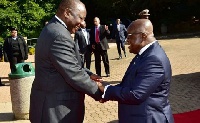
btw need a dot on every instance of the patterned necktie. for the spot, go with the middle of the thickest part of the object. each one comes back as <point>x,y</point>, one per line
<point>97,35</point>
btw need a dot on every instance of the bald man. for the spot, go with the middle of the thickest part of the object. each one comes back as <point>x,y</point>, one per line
<point>60,84</point>
<point>143,93</point>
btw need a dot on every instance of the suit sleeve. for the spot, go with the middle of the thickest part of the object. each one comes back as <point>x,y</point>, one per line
<point>148,78</point>
<point>63,57</point>
<point>125,31</point>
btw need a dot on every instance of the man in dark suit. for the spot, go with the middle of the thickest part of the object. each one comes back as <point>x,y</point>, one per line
<point>82,37</point>
<point>1,55</point>
<point>119,33</point>
<point>143,93</point>
<point>60,84</point>
<point>100,46</point>
<point>15,49</point>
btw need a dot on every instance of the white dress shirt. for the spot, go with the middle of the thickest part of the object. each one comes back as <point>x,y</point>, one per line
<point>61,21</point>
<point>85,35</point>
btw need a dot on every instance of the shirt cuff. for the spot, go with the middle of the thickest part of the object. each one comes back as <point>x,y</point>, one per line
<point>105,88</point>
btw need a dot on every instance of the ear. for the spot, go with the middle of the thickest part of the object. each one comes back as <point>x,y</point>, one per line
<point>144,36</point>
<point>67,13</point>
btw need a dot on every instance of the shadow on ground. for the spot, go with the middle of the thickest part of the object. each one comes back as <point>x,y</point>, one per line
<point>6,116</point>
<point>183,88</point>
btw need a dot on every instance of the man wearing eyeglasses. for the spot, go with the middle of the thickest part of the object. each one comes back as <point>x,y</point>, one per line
<point>60,84</point>
<point>143,93</point>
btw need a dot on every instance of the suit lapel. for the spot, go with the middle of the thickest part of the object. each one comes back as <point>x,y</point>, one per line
<point>134,63</point>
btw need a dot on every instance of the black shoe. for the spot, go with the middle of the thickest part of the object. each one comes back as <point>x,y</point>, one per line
<point>125,54</point>
<point>120,57</point>
<point>108,75</point>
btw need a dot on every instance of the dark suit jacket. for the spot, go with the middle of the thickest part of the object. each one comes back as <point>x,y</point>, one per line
<point>103,39</point>
<point>60,84</point>
<point>143,92</point>
<point>81,41</point>
<point>7,48</point>
<point>120,35</point>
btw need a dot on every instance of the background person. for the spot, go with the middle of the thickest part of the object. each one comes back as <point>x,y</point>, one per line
<point>15,49</point>
<point>143,93</point>
<point>82,38</point>
<point>60,84</point>
<point>119,33</point>
<point>144,14</point>
<point>100,46</point>
<point>1,55</point>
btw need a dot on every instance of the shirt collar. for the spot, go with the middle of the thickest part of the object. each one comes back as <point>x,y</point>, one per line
<point>98,26</point>
<point>60,21</point>
<point>83,29</point>
<point>145,47</point>
<point>14,38</point>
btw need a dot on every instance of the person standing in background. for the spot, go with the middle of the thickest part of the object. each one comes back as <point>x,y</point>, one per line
<point>144,14</point>
<point>82,38</point>
<point>1,55</point>
<point>119,33</point>
<point>100,46</point>
<point>60,84</point>
<point>15,49</point>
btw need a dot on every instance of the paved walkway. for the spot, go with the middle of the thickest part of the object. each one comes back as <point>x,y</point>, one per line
<point>184,55</point>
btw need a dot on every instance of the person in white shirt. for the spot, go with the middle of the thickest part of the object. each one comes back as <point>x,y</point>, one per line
<point>82,39</point>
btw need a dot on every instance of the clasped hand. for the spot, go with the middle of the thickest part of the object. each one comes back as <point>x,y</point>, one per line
<point>100,84</point>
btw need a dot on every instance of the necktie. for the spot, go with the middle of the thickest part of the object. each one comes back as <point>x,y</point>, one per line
<point>97,35</point>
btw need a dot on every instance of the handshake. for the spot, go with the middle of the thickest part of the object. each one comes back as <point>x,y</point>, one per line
<point>100,84</point>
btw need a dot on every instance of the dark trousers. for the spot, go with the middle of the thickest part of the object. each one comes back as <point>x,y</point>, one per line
<point>120,45</point>
<point>13,61</point>
<point>87,59</point>
<point>98,53</point>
